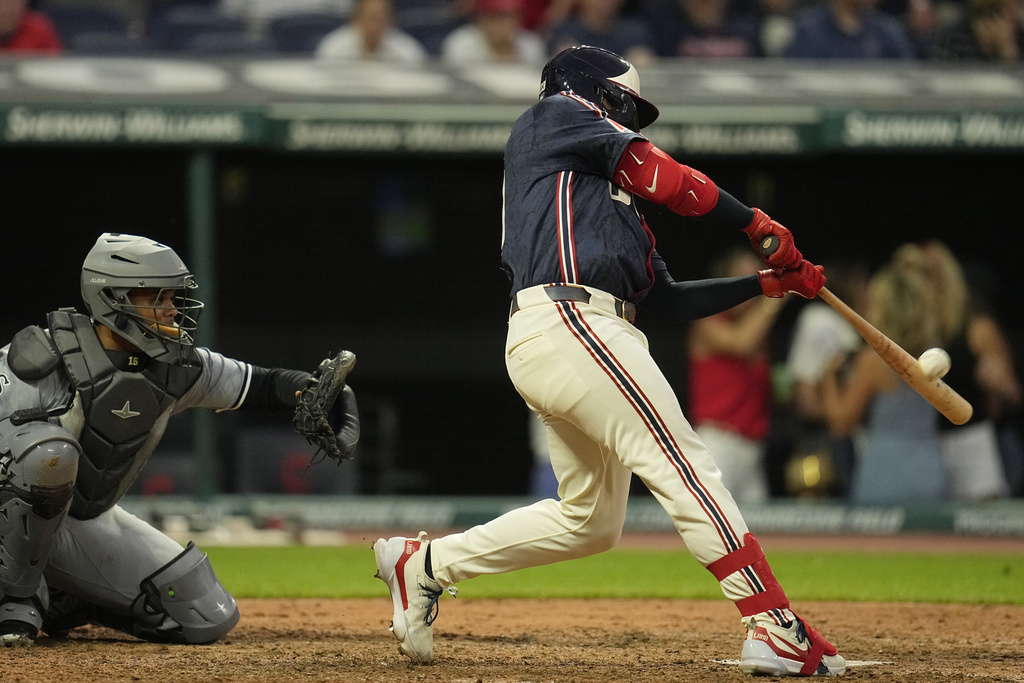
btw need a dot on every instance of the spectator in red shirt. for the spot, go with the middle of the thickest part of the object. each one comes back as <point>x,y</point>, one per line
<point>25,30</point>
<point>730,382</point>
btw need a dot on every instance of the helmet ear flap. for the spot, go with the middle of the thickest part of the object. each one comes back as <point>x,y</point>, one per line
<point>121,321</point>
<point>623,109</point>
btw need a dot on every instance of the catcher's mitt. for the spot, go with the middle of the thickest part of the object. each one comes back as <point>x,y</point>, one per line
<point>326,397</point>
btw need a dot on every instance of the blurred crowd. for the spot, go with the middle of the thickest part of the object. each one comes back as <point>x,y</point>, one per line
<point>819,413</point>
<point>521,31</point>
<point>831,419</point>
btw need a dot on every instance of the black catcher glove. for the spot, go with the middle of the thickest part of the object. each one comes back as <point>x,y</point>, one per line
<point>327,414</point>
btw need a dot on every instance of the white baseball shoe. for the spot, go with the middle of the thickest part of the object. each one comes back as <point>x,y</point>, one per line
<point>401,565</point>
<point>792,650</point>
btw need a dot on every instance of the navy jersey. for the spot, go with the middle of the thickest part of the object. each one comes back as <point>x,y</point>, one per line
<point>565,221</point>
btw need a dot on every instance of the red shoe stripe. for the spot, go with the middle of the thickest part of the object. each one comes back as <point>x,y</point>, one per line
<point>811,657</point>
<point>781,647</point>
<point>411,547</point>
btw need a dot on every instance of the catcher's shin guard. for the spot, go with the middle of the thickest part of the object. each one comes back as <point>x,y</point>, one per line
<point>750,559</point>
<point>38,465</point>
<point>182,602</point>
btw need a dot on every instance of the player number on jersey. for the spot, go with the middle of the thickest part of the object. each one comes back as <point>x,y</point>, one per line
<point>618,194</point>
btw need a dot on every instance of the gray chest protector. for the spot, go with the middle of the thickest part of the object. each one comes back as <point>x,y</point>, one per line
<point>123,412</point>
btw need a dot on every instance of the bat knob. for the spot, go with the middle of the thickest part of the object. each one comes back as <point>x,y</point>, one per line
<point>769,245</point>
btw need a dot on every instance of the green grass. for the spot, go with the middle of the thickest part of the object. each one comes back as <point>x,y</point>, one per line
<point>347,572</point>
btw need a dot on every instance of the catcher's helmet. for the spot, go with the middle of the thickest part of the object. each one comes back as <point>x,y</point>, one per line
<point>120,263</point>
<point>602,77</point>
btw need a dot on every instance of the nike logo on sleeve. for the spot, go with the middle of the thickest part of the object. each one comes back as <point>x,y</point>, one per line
<point>654,183</point>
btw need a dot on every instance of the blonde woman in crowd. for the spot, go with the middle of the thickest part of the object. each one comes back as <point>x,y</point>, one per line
<point>982,372</point>
<point>896,431</point>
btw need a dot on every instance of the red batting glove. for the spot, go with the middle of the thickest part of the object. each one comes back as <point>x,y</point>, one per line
<point>787,256</point>
<point>806,281</point>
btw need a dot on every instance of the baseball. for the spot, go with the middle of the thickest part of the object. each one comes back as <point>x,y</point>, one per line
<point>934,363</point>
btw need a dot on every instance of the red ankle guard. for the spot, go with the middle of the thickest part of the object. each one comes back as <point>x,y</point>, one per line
<point>751,555</point>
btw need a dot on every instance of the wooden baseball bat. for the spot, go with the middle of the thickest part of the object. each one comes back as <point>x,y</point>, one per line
<point>951,404</point>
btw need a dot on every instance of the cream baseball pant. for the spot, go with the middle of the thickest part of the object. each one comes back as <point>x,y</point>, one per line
<point>608,411</point>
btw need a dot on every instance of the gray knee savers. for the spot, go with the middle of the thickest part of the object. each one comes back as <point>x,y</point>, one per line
<point>183,602</point>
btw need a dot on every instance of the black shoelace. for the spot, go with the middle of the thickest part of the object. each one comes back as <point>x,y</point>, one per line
<point>432,608</point>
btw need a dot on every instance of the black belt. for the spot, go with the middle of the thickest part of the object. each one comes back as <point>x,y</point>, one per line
<point>623,309</point>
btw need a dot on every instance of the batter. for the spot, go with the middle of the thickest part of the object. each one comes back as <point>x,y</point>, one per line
<point>582,260</point>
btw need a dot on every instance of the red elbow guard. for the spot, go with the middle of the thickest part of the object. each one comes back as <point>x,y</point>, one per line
<point>647,172</point>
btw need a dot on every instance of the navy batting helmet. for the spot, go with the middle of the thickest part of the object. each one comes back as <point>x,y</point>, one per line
<point>601,77</point>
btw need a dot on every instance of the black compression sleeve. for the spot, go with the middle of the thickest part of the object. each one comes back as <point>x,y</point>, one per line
<point>729,212</point>
<point>675,302</point>
<point>273,388</point>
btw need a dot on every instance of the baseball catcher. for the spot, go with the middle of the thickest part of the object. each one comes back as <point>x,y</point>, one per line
<point>84,401</point>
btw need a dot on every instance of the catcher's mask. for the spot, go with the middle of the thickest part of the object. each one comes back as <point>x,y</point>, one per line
<point>116,269</point>
<point>601,77</point>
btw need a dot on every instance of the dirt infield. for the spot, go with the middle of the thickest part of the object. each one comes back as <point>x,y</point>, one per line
<point>487,641</point>
<point>512,641</point>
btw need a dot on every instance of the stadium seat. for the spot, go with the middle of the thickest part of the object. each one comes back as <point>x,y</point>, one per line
<point>72,20</point>
<point>428,22</point>
<point>176,29</point>
<point>431,34</point>
<point>161,7</point>
<point>301,33</point>
<point>104,43</point>
<point>231,44</point>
